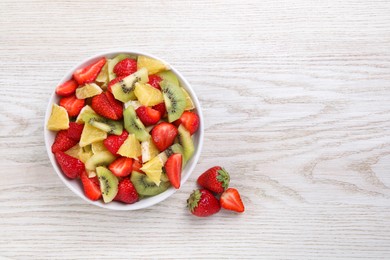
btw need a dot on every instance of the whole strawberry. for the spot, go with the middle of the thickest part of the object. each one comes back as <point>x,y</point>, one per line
<point>215,179</point>
<point>202,203</point>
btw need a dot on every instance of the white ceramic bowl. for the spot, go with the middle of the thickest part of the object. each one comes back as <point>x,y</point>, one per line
<point>76,186</point>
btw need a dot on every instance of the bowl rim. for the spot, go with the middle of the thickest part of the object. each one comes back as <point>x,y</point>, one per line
<point>151,200</point>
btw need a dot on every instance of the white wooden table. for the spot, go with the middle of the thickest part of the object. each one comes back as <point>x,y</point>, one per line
<point>296,99</point>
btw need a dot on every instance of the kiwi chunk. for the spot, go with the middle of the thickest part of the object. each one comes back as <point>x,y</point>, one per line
<point>174,98</point>
<point>123,90</point>
<point>187,143</point>
<point>98,159</point>
<point>108,183</point>
<point>145,186</point>
<point>175,148</point>
<point>104,124</point>
<point>168,75</point>
<point>134,125</point>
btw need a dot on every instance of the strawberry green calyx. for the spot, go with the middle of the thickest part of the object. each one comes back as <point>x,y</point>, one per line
<point>223,177</point>
<point>193,200</point>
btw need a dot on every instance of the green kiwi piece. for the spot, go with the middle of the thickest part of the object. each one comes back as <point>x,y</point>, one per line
<point>134,125</point>
<point>168,75</point>
<point>123,90</point>
<point>108,183</point>
<point>112,62</point>
<point>187,143</point>
<point>104,124</point>
<point>99,159</point>
<point>174,98</point>
<point>175,148</point>
<point>145,186</point>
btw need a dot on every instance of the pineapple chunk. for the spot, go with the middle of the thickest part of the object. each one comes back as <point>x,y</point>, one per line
<point>58,119</point>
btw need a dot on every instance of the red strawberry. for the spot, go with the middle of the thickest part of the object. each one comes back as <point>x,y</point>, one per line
<point>62,142</point>
<point>189,120</point>
<point>88,74</point>
<point>114,81</point>
<point>72,104</point>
<point>215,179</point>
<point>114,142</point>
<point>173,169</point>
<point>75,130</point>
<point>137,166</point>
<point>106,105</point>
<point>67,88</point>
<point>115,104</point>
<point>154,81</point>
<point>91,188</point>
<point>160,108</point>
<point>69,165</point>
<point>121,167</point>
<point>126,192</point>
<point>231,200</point>
<point>148,115</point>
<point>202,203</point>
<point>163,135</point>
<point>125,67</point>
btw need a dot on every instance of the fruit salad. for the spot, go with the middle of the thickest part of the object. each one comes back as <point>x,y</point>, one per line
<point>123,128</point>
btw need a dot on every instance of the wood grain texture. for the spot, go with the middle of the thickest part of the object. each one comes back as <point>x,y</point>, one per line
<point>296,99</point>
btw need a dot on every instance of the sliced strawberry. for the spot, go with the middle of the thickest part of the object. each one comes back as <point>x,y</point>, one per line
<point>70,166</point>
<point>160,108</point>
<point>121,167</point>
<point>114,142</point>
<point>189,120</point>
<point>106,105</point>
<point>116,105</point>
<point>88,74</point>
<point>148,115</point>
<point>126,192</point>
<point>125,67</point>
<point>114,81</point>
<point>137,166</point>
<point>163,135</point>
<point>75,130</point>
<point>231,200</point>
<point>62,142</point>
<point>72,104</point>
<point>91,188</point>
<point>173,169</point>
<point>154,81</point>
<point>67,88</point>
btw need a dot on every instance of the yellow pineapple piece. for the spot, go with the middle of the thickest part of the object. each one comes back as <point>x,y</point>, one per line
<point>74,151</point>
<point>152,65</point>
<point>131,148</point>
<point>148,95</point>
<point>103,76</point>
<point>98,147</point>
<point>189,103</point>
<point>153,169</point>
<point>88,90</point>
<point>91,134</point>
<point>149,150</point>
<point>59,119</point>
